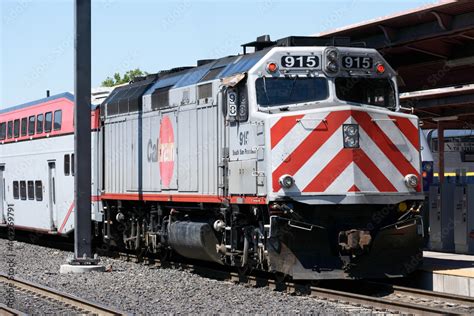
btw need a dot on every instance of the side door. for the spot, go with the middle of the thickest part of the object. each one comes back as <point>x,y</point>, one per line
<point>52,193</point>
<point>2,195</point>
<point>244,144</point>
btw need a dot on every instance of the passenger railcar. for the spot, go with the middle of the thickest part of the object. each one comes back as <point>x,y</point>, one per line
<point>37,164</point>
<point>293,159</point>
<point>458,155</point>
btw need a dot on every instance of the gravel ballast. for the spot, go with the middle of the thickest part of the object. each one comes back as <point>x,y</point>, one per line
<point>140,289</point>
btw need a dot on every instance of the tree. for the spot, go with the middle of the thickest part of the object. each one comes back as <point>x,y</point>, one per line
<point>127,77</point>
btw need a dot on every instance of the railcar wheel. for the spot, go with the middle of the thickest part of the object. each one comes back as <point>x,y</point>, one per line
<point>244,271</point>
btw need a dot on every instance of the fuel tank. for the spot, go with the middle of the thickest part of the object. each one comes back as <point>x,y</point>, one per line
<point>194,240</point>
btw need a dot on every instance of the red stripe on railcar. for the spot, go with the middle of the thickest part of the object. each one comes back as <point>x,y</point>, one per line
<point>184,198</point>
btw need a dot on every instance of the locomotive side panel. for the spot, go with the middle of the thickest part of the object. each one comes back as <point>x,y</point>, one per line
<point>207,149</point>
<point>120,138</point>
<point>188,154</point>
<point>150,166</point>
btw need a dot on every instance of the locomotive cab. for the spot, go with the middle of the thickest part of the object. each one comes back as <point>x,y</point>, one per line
<point>323,138</point>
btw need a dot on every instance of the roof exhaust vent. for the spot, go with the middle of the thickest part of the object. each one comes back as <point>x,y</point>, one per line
<point>260,43</point>
<point>201,62</point>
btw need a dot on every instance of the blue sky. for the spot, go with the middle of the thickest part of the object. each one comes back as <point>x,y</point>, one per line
<point>36,36</point>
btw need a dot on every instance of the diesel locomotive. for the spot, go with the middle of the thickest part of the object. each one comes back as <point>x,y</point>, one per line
<point>295,158</point>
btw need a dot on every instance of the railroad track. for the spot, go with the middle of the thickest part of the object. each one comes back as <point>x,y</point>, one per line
<point>33,298</point>
<point>7,311</point>
<point>377,296</point>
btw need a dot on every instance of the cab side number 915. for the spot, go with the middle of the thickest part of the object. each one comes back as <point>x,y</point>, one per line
<point>309,61</point>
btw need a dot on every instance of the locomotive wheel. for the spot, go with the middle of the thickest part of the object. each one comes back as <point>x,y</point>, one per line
<point>244,271</point>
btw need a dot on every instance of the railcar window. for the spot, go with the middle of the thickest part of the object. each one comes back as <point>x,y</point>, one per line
<point>212,74</point>
<point>370,91</point>
<point>16,128</point>
<point>280,91</point>
<point>48,121</point>
<point>31,190</point>
<point>31,125</point>
<point>72,164</point>
<point>23,190</point>
<point>160,98</point>
<point>10,129</point>
<point>24,126</point>
<point>39,190</point>
<point>16,192</point>
<point>39,124</point>
<point>205,91</point>
<point>58,116</point>
<point>67,165</point>
<point>3,130</point>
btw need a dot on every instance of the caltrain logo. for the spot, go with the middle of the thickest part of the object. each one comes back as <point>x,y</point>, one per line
<point>166,151</point>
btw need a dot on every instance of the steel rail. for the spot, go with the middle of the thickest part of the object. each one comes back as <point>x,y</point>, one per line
<point>7,311</point>
<point>64,298</point>
<point>380,303</point>
<point>345,297</point>
<point>419,293</point>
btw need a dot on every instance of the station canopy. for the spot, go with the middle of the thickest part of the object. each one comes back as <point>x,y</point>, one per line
<point>432,49</point>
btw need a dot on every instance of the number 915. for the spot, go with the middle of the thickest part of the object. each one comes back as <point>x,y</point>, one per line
<point>310,61</point>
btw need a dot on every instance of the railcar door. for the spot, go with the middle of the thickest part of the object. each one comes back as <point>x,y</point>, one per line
<point>2,196</point>
<point>52,192</point>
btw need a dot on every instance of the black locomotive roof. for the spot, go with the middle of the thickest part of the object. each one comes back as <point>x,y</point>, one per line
<point>128,98</point>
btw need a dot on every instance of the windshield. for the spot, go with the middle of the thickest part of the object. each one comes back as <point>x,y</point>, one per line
<point>280,91</point>
<point>370,91</point>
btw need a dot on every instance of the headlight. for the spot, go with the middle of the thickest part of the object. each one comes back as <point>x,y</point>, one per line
<point>332,55</point>
<point>332,66</point>
<point>286,181</point>
<point>351,135</point>
<point>411,181</point>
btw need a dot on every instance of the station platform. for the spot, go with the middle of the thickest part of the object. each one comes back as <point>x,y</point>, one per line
<point>447,272</point>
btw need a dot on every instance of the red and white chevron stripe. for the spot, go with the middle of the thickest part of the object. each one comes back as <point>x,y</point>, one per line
<point>310,148</point>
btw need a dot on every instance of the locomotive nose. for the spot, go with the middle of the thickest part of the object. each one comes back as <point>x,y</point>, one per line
<point>345,152</point>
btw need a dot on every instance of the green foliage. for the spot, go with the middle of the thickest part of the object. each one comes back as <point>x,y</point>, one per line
<point>127,77</point>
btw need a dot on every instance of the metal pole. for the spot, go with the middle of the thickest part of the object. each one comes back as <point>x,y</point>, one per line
<point>82,131</point>
<point>441,152</point>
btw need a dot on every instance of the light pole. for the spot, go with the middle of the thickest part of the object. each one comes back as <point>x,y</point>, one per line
<point>83,260</point>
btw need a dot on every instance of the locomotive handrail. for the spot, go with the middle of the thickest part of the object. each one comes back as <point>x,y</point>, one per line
<point>387,119</point>
<point>300,227</point>
<point>312,119</point>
